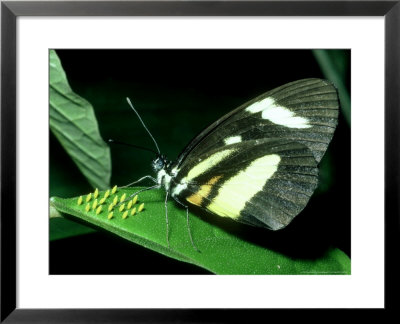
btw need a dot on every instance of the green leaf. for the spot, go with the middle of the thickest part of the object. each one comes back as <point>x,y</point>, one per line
<point>221,251</point>
<point>73,122</point>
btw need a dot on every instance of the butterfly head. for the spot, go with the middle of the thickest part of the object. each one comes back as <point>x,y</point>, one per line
<point>159,163</point>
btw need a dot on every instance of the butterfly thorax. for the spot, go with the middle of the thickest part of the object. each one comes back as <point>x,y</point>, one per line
<point>161,166</point>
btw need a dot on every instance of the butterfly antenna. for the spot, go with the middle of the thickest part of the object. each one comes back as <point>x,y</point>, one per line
<point>110,140</point>
<point>130,104</point>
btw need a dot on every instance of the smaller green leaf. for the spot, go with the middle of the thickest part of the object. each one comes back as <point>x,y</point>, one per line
<point>61,228</point>
<point>221,252</point>
<point>73,122</point>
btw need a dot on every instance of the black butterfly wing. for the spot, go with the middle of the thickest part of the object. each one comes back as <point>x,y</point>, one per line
<point>264,182</point>
<point>309,107</point>
<point>290,126</point>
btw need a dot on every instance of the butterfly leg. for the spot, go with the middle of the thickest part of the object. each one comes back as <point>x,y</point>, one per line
<point>157,186</point>
<point>166,216</point>
<point>187,222</point>
<point>141,179</point>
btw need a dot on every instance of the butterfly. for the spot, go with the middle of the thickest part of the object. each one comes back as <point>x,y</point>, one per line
<point>258,164</point>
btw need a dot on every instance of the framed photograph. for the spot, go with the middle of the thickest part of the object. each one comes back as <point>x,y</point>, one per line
<point>209,78</point>
<point>154,152</point>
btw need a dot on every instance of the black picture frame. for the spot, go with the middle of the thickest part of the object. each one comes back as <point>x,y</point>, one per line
<point>11,10</point>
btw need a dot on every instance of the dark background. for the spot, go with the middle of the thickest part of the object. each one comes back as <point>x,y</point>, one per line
<point>178,93</point>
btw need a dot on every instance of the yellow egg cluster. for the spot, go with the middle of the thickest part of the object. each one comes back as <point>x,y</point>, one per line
<point>123,205</point>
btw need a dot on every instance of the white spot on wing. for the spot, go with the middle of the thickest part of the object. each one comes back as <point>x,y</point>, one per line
<point>277,114</point>
<point>260,105</point>
<point>233,139</point>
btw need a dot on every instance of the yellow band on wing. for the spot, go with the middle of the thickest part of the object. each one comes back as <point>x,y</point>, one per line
<point>239,189</point>
<point>207,164</point>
